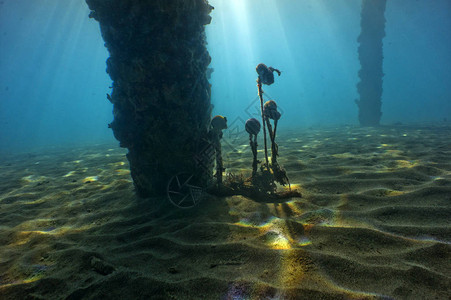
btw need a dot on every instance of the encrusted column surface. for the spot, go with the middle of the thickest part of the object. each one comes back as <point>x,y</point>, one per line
<point>161,96</point>
<point>371,60</point>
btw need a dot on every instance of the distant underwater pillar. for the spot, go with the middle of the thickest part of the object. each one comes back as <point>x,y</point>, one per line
<point>161,95</point>
<point>371,60</point>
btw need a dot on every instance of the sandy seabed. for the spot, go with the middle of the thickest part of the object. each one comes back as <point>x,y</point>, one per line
<point>374,222</point>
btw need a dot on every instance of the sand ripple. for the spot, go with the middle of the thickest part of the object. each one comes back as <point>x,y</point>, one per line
<point>373,223</point>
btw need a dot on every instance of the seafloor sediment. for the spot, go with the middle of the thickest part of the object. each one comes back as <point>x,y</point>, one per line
<point>373,222</point>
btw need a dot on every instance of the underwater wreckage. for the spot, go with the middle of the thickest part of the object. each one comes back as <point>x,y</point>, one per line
<point>261,186</point>
<point>161,96</point>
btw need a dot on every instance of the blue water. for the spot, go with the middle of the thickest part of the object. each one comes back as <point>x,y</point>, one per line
<point>53,81</point>
<point>314,43</point>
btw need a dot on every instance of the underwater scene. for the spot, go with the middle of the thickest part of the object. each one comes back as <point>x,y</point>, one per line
<point>225,149</point>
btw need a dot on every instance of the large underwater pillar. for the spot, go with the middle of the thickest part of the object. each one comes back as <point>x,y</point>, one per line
<point>371,60</point>
<point>161,95</point>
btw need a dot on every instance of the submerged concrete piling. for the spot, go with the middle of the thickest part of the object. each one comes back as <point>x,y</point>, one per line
<point>371,60</point>
<point>161,96</point>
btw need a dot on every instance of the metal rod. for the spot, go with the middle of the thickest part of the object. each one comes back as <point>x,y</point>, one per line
<point>260,94</point>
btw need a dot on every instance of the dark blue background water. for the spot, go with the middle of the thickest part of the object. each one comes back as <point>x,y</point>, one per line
<point>53,81</point>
